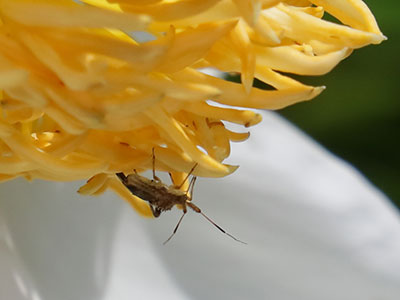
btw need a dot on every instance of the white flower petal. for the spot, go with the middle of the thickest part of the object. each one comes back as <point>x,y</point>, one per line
<point>63,239</point>
<point>137,271</point>
<point>14,281</point>
<point>316,229</point>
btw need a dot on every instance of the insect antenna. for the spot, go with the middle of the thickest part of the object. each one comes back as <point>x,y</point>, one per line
<point>176,228</point>
<point>198,210</point>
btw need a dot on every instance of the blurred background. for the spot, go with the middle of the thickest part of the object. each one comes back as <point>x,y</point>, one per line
<point>358,116</point>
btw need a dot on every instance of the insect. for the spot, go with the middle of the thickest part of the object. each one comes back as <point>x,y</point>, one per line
<point>162,197</point>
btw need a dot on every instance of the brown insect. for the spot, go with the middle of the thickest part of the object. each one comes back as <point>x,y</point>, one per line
<point>162,197</point>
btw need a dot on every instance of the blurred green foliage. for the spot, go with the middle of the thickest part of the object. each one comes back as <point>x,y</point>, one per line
<point>358,116</point>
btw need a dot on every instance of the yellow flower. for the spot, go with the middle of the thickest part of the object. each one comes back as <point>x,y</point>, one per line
<point>81,98</point>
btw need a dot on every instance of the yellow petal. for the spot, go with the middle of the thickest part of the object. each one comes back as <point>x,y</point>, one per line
<point>69,14</point>
<point>22,146</point>
<point>243,117</point>
<point>304,27</point>
<point>233,94</point>
<point>292,59</point>
<point>85,95</point>
<point>191,45</point>
<point>93,184</point>
<point>12,78</point>
<point>180,162</point>
<point>244,47</point>
<point>172,128</point>
<point>249,9</point>
<point>167,10</point>
<point>351,12</point>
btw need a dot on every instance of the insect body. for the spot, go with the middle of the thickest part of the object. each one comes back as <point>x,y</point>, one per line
<point>162,197</point>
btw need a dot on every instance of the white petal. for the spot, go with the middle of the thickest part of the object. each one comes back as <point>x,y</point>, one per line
<point>63,240</point>
<point>14,281</point>
<point>56,244</point>
<point>316,229</point>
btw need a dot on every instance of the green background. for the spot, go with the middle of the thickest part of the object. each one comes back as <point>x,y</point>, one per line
<point>358,116</point>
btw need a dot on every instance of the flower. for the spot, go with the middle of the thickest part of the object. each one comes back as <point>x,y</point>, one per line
<point>316,229</point>
<point>82,98</point>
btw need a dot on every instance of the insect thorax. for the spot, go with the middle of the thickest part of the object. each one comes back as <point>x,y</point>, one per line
<point>155,192</point>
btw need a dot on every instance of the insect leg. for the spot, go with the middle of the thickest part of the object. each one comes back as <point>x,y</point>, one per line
<point>121,176</point>
<point>187,176</point>
<point>191,187</point>
<point>154,166</point>
<point>156,211</point>
<point>198,210</point>
<point>177,226</point>
<point>172,178</point>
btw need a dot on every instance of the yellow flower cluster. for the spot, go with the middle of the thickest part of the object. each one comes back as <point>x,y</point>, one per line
<point>84,96</point>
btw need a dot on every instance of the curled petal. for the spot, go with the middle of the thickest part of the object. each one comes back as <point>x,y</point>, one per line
<point>22,146</point>
<point>309,27</point>
<point>247,55</point>
<point>93,184</point>
<point>354,13</point>
<point>245,117</point>
<point>180,162</point>
<point>175,131</point>
<point>292,59</point>
<point>233,93</point>
<point>191,45</point>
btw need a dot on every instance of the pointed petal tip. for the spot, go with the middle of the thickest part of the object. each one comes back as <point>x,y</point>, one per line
<point>232,168</point>
<point>257,118</point>
<point>378,38</point>
<point>314,92</point>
